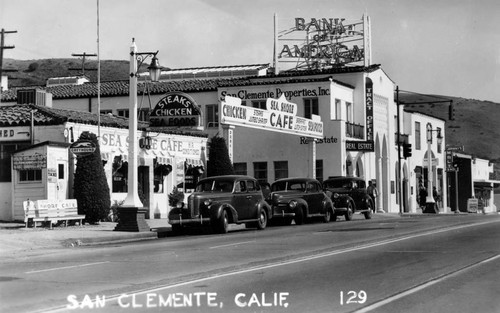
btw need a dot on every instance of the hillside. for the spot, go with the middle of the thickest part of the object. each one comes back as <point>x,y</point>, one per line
<point>36,72</point>
<point>474,126</point>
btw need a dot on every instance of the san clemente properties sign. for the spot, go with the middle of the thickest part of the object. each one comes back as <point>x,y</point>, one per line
<point>280,116</point>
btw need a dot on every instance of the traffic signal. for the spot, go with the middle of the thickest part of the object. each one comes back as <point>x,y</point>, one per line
<point>406,150</point>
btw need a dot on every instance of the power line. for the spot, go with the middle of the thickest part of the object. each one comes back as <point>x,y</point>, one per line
<point>83,56</point>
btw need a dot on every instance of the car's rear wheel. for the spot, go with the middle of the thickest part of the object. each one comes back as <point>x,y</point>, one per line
<point>262,222</point>
<point>349,213</point>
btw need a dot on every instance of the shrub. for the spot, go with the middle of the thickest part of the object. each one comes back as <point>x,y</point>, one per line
<point>91,188</point>
<point>175,197</point>
<point>218,160</point>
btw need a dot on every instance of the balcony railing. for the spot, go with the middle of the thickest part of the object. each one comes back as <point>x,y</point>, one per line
<point>355,130</point>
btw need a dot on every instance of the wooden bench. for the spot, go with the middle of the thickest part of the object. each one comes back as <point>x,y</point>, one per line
<point>51,211</point>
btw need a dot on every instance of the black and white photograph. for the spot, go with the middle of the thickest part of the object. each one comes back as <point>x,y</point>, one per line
<point>274,156</point>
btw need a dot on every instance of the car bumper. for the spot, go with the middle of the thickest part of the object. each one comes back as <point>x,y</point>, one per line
<point>178,220</point>
<point>283,212</point>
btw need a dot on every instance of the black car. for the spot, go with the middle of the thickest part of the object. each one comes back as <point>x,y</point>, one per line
<point>299,199</point>
<point>349,196</point>
<point>221,200</point>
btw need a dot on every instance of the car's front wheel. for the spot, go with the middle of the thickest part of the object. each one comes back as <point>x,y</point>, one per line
<point>368,213</point>
<point>222,224</point>
<point>299,216</point>
<point>349,213</point>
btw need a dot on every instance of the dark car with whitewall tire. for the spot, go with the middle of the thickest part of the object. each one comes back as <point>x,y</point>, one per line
<point>298,199</point>
<point>349,196</point>
<point>222,200</point>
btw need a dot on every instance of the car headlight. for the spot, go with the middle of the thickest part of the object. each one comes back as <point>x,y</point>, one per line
<point>336,195</point>
<point>292,204</point>
<point>207,202</point>
<point>180,205</point>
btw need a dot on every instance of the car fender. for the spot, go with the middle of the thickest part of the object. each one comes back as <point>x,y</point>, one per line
<point>366,200</point>
<point>343,200</point>
<point>301,203</point>
<point>217,208</point>
<point>263,205</point>
<point>327,204</point>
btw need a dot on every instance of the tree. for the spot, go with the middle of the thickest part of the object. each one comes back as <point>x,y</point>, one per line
<point>91,188</point>
<point>218,158</point>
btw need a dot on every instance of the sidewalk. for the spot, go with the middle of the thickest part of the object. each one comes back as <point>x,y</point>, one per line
<point>16,239</point>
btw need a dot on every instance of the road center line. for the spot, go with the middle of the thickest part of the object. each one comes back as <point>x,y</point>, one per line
<point>423,286</point>
<point>65,267</point>
<point>302,259</point>
<point>232,244</point>
<point>281,263</point>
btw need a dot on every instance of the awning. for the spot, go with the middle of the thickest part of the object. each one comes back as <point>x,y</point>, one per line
<point>195,162</point>
<point>164,160</point>
<point>487,183</point>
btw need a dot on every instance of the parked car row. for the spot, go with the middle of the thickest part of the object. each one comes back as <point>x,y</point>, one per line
<point>235,199</point>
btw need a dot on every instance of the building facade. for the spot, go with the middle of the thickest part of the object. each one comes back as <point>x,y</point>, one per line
<point>355,104</point>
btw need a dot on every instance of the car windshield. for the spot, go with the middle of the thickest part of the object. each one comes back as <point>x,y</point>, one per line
<point>288,186</point>
<point>338,183</point>
<point>215,186</point>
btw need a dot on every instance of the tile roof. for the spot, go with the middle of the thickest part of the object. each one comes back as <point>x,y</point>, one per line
<point>20,115</point>
<point>121,88</point>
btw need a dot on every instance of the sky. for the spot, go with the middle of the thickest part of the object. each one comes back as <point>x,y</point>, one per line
<point>443,47</point>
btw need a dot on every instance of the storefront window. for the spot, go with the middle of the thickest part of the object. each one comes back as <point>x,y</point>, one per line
<point>30,175</point>
<point>280,169</point>
<point>6,151</point>
<point>240,168</point>
<point>260,171</point>
<point>212,115</point>
<point>160,172</point>
<point>120,172</point>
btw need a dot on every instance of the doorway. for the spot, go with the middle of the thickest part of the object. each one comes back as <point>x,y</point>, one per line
<point>144,187</point>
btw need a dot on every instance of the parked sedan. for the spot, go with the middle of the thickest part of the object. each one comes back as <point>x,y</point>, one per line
<point>349,196</point>
<point>221,200</point>
<point>299,199</point>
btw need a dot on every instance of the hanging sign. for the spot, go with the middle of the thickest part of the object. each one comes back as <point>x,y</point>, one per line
<point>280,116</point>
<point>366,146</point>
<point>82,148</point>
<point>369,109</point>
<point>176,109</point>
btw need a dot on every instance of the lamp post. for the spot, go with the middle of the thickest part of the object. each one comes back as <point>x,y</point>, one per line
<point>131,213</point>
<point>430,204</point>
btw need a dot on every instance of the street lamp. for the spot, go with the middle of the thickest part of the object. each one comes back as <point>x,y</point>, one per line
<point>131,213</point>
<point>430,204</point>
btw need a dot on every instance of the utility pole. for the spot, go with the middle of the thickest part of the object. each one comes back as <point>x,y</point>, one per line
<point>2,47</point>
<point>83,56</point>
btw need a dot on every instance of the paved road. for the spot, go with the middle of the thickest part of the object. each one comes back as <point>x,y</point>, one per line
<point>422,264</point>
